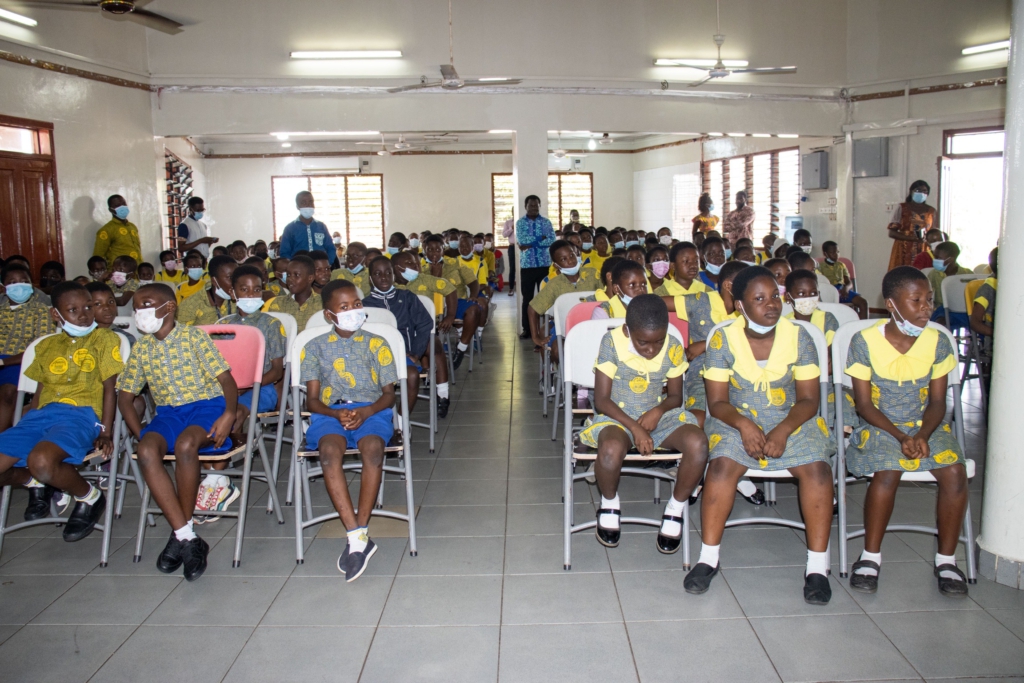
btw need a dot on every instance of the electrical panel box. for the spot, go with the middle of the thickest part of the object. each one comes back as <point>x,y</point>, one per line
<point>814,170</point>
<point>871,157</point>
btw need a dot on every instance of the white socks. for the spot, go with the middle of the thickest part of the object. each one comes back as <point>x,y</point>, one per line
<point>746,487</point>
<point>709,554</point>
<point>91,497</point>
<point>463,347</point>
<point>610,521</point>
<point>873,557</point>
<point>817,563</point>
<point>669,527</point>
<point>442,390</point>
<point>357,540</point>
<point>185,533</point>
<point>34,483</point>
<point>946,559</point>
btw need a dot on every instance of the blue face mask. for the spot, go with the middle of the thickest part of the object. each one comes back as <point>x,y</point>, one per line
<point>713,269</point>
<point>587,246</point>
<point>76,330</point>
<point>356,269</point>
<point>121,212</point>
<point>250,304</point>
<point>198,215</point>
<point>728,254</point>
<point>903,325</point>
<point>631,243</point>
<point>618,245</point>
<point>392,250</point>
<point>307,212</point>
<point>754,327</point>
<point>453,244</point>
<point>625,299</point>
<point>19,292</point>
<point>571,271</point>
<point>283,278</point>
<point>919,197</point>
<point>195,273</point>
<point>409,275</point>
<point>711,209</point>
<point>939,264</point>
<point>467,257</point>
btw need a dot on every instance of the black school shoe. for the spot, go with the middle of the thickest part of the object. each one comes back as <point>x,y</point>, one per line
<point>698,579</point>
<point>355,563</point>
<point>670,544</point>
<point>39,498</point>
<point>83,519</point>
<point>457,357</point>
<point>952,588</point>
<point>169,558</point>
<point>609,538</point>
<point>193,555</point>
<point>817,589</point>
<point>865,583</point>
<point>756,498</point>
<point>442,407</point>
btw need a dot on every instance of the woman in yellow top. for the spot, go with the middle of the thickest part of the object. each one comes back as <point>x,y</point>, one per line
<point>704,221</point>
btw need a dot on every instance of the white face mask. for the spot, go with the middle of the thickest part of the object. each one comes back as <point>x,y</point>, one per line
<point>665,239</point>
<point>805,305</point>
<point>903,325</point>
<point>349,321</point>
<point>147,321</point>
<point>933,245</point>
<point>251,304</point>
<point>488,245</point>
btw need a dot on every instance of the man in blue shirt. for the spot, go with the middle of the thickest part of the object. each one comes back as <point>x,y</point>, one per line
<point>534,234</point>
<point>305,233</point>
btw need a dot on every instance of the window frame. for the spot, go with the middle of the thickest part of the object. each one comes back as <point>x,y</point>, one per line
<point>348,221</point>
<point>727,186</point>
<point>948,135</point>
<point>515,212</point>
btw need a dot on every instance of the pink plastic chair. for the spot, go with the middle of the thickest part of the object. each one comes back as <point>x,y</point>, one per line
<point>580,312</point>
<point>681,325</point>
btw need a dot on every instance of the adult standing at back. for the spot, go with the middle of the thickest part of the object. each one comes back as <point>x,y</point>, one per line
<point>306,233</point>
<point>910,225</point>
<point>118,237</point>
<point>705,221</point>
<point>534,234</point>
<point>509,232</point>
<point>739,223</point>
<point>193,233</point>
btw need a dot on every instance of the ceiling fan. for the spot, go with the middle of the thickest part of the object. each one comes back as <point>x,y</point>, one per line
<point>402,145</point>
<point>129,9</point>
<point>719,68</point>
<point>450,79</point>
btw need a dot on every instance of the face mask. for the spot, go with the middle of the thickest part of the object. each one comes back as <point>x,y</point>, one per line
<point>170,265</point>
<point>805,305</point>
<point>76,330</point>
<point>121,212</point>
<point>250,304</point>
<point>631,243</point>
<point>933,245</point>
<point>392,250</point>
<point>356,269</point>
<point>618,245</point>
<point>337,241</point>
<point>939,264</point>
<point>19,292</point>
<point>478,248</point>
<point>571,271</point>
<point>713,269</point>
<point>467,257</point>
<point>118,278</point>
<point>198,215</point>
<point>749,263</point>
<point>660,268</point>
<point>385,291</point>
<point>414,243</point>
<point>807,248</point>
<point>782,290</point>
<point>97,274</point>
<point>146,282</point>
<point>728,254</point>
<point>147,321</point>
<point>283,278</point>
<point>220,292</point>
<point>271,253</point>
<point>453,244</point>
<point>903,325</point>
<point>829,261</point>
<point>409,275</point>
<point>350,321</point>
<point>919,197</point>
<point>488,245</point>
<point>665,239</point>
<point>624,299</point>
<point>754,327</point>
<point>711,208</point>
<point>195,273</point>
<point>307,212</point>
<point>587,246</point>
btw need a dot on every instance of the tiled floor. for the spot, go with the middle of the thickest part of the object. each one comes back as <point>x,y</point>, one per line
<point>487,599</point>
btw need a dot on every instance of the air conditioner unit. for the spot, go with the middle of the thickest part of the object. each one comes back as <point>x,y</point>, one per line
<point>331,165</point>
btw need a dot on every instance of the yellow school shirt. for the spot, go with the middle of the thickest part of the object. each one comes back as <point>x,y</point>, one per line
<point>21,324</point>
<point>72,370</point>
<point>360,279</point>
<point>181,369</point>
<point>197,310</point>
<point>117,238</point>
<point>286,304</point>
<point>187,289</point>
<point>173,280</point>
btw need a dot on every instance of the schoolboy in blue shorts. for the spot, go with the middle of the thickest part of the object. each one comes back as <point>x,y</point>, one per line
<point>350,377</point>
<point>72,413</point>
<point>195,400</point>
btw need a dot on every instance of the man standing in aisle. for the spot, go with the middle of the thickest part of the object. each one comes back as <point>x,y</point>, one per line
<point>118,237</point>
<point>509,232</point>
<point>193,233</point>
<point>307,234</point>
<point>534,234</point>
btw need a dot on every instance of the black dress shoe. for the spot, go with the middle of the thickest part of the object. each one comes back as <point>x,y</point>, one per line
<point>83,519</point>
<point>608,537</point>
<point>951,588</point>
<point>442,407</point>
<point>698,579</point>
<point>39,498</point>
<point>696,493</point>
<point>170,557</point>
<point>525,335</point>
<point>669,544</point>
<point>755,498</point>
<point>817,589</point>
<point>457,358</point>
<point>865,583</point>
<point>193,556</point>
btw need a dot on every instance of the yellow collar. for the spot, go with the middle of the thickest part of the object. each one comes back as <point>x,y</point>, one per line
<point>600,295</point>
<point>899,367</point>
<point>782,356</point>
<point>618,310</point>
<point>991,282</point>
<point>676,289</point>
<point>623,349</point>
<point>817,318</point>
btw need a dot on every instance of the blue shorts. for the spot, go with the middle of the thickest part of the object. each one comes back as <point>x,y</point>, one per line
<point>848,299</point>
<point>171,421</point>
<point>9,373</point>
<point>73,429</point>
<point>462,307</point>
<point>378,424</point>
<point>956,320</point>
<point>268,399</point>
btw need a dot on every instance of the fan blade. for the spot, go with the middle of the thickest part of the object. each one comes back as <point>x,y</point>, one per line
<point>766,70</point>
<point>154,21</point>
<point>448,72</point>
<point>484,81</point>
<point>698,83</point>
<point>418,86</point>
<point>61,4</point>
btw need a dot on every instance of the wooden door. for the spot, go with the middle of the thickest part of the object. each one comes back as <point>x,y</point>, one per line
<point>28,209</point>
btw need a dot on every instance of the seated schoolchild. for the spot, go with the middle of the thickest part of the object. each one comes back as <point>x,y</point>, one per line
<point>260,264</point>
<point>350,378</point>
<point>238,252</point>
<point>933,238</point>
<point>279,277</point>
<point>839,277</point>
<point>396,243</point>
<point>608,290</point>
<point>51,274</point>
<point>98,269</point>
<point>780,270</point>
<point>685,259</point>
<point>412,318</point>
<point>899,370</point>
<point>355,267</point>
<point>321,269</point>
<point>569,280</point>
<point>195,279</point>
<point>22,320</point>
<point>744,253</point>
<point>802,239</point>
<point>470,257</point>
<point>712,253</point>
<point>636,362</point>
<point>145,274</point>
<point>302,303</point>
<point>729,272</point>
<point>172,272</point>
<point>195,398</point>
<point>944,264</point>
<point>761,375</point>
<point>629,280</point>
<point>212,303</point>
<point>658,265</point>
<point>72,414</point>
<point>467,289</point>
<point>983,313</point>
<point>104,309</point>
<point>123,281</point>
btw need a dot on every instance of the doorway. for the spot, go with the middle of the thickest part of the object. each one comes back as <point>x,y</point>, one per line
<point>971,191</point>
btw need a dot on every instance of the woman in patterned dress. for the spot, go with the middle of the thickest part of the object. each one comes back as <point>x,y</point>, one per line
<point>899,371</point>
<point>705,221</point>
<point>909,225</point>
<point>761,375</point>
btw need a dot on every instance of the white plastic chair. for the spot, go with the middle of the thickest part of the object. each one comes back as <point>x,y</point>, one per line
<point>953,300</point>
<point>840,350</point>
<point>826,290</point>
<point>560,312</point>
<point>843,313</point>
<point>301,455</point>
<point>982,269</point>
<point>127,323</point>
<point>581,348</point>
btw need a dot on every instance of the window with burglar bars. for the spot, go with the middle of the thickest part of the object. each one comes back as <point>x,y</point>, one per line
<point>772,182</point>
<point>352,205</point>
<point>566,192</point>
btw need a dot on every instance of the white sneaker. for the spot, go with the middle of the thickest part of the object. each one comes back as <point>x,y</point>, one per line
<point>590,479</point>
<point>223,495</point>
<point>204,497</point>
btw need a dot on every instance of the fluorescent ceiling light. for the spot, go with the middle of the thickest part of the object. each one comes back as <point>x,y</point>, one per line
<point>760,135</point>
<point>493,79</point>
<point>286,144</point>
<point>699,63</point>
<point>592,144</point>
<point>987,47</point>
<point>500,131</point>
<point>17,18</point>
<point>347,54</point>
<point>788,135</point>
<point>737,135</point>
<point>319,133</point>
<point>715,135</point>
